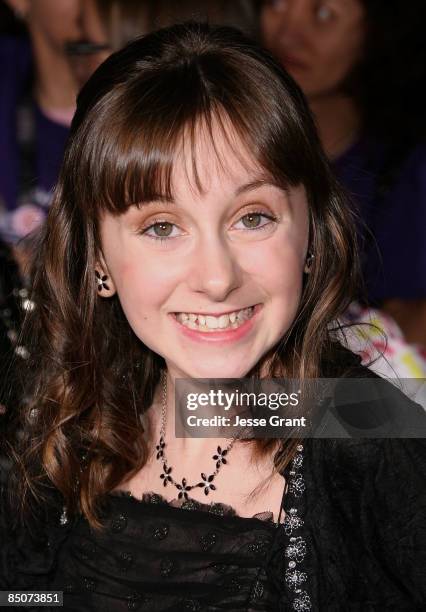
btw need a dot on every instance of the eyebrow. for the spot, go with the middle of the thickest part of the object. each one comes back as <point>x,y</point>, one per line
<point>246,188</point>
<point>253,185</point>
<point>158,199</point>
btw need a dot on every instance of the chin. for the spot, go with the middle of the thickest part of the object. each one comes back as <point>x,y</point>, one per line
<point>219,371</point>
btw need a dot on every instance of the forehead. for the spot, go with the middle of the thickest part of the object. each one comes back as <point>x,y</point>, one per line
<point>215,158</point>
<point>162,161</point>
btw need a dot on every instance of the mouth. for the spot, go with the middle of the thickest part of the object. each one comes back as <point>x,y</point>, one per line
<point>290,61</point>
<point>208,323</point>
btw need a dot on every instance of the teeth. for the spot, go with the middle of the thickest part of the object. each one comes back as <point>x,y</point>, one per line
<point>246,314</point>
<point>210,323</point>
<point>243,315</point>
<point>223,321</point>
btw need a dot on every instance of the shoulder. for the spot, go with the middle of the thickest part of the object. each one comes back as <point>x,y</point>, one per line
<point>368,405</point>
<point>365,456</point>
<point>341,362</point>
<point>379,481</point>
<point>373,420</point>
<point>366,507</point>
<point>371,474</point>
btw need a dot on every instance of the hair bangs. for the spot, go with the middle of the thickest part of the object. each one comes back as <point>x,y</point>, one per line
<point>89,381</point>
<point>159,120</point>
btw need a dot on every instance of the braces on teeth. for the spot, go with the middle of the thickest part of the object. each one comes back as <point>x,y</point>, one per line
<point>210,323</point>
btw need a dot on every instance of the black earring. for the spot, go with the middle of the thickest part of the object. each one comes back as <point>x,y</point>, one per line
<point>101,281</point>
<point>309,260</point>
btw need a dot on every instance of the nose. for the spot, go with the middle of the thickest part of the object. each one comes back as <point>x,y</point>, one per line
<point>215,271</point>
<point>294,22</point>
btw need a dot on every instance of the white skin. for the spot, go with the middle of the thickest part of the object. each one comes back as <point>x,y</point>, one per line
<point>319,42</point>
<point>211,263</point>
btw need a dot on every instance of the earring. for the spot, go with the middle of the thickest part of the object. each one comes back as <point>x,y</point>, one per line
<point>309,261</point>
<point>101,281</point>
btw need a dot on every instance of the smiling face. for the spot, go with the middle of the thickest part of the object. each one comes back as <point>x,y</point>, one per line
<point>179,266</point>
<point>318,41</point>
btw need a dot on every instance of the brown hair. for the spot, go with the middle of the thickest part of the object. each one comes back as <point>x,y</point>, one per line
<point>92,379</point>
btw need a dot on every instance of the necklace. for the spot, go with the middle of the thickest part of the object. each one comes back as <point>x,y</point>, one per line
<point>166,476</point>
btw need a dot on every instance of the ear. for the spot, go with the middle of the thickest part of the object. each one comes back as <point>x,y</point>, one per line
<point>308,263</point>
<point>104,284</point>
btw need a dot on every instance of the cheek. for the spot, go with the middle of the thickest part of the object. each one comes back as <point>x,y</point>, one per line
<point>278,266</point>
<point>283,282</point>
<point>68,9</point>
<point>337,57</point>
<point>92,25</point>
<point>139,305</point>
<point>269,26</point>
<point>138,287</point>
<point>143,286</point>
<point>286,281</point>
<point>61,20</point>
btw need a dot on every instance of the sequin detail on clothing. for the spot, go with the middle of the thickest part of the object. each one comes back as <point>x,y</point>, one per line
<point>63,519</point>
<point>296,550</point>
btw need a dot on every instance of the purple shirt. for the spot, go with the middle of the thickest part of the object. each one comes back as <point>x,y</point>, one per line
<point>394,261</point>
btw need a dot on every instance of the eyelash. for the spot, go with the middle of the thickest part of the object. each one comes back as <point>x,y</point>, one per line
<point>268,216</point>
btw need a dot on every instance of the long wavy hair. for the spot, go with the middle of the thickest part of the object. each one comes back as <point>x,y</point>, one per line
<point>89,378</point>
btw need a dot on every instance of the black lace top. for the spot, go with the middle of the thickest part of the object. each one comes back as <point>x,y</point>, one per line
<point>193,557</point>
<point>353,538</point>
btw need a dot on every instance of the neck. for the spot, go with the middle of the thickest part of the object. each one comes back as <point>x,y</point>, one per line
<point>196,449</point>
<point>55,87</point>
<point>338,121</point>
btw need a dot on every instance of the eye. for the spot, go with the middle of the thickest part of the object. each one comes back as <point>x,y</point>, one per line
<point>324,13</point>
<point>253,220</point>
<point>277,5</point>
<point>160,230</point>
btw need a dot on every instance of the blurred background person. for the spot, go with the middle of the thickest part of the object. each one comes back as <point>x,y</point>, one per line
<point>107,25</point>
<point>361,64</point>
<point>37,103</point>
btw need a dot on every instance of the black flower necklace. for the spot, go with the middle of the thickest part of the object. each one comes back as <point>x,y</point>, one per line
<point>183,487</point>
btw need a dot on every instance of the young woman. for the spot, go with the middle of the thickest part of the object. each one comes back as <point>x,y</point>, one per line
<point>197,232</point>
<point>361,65</point>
